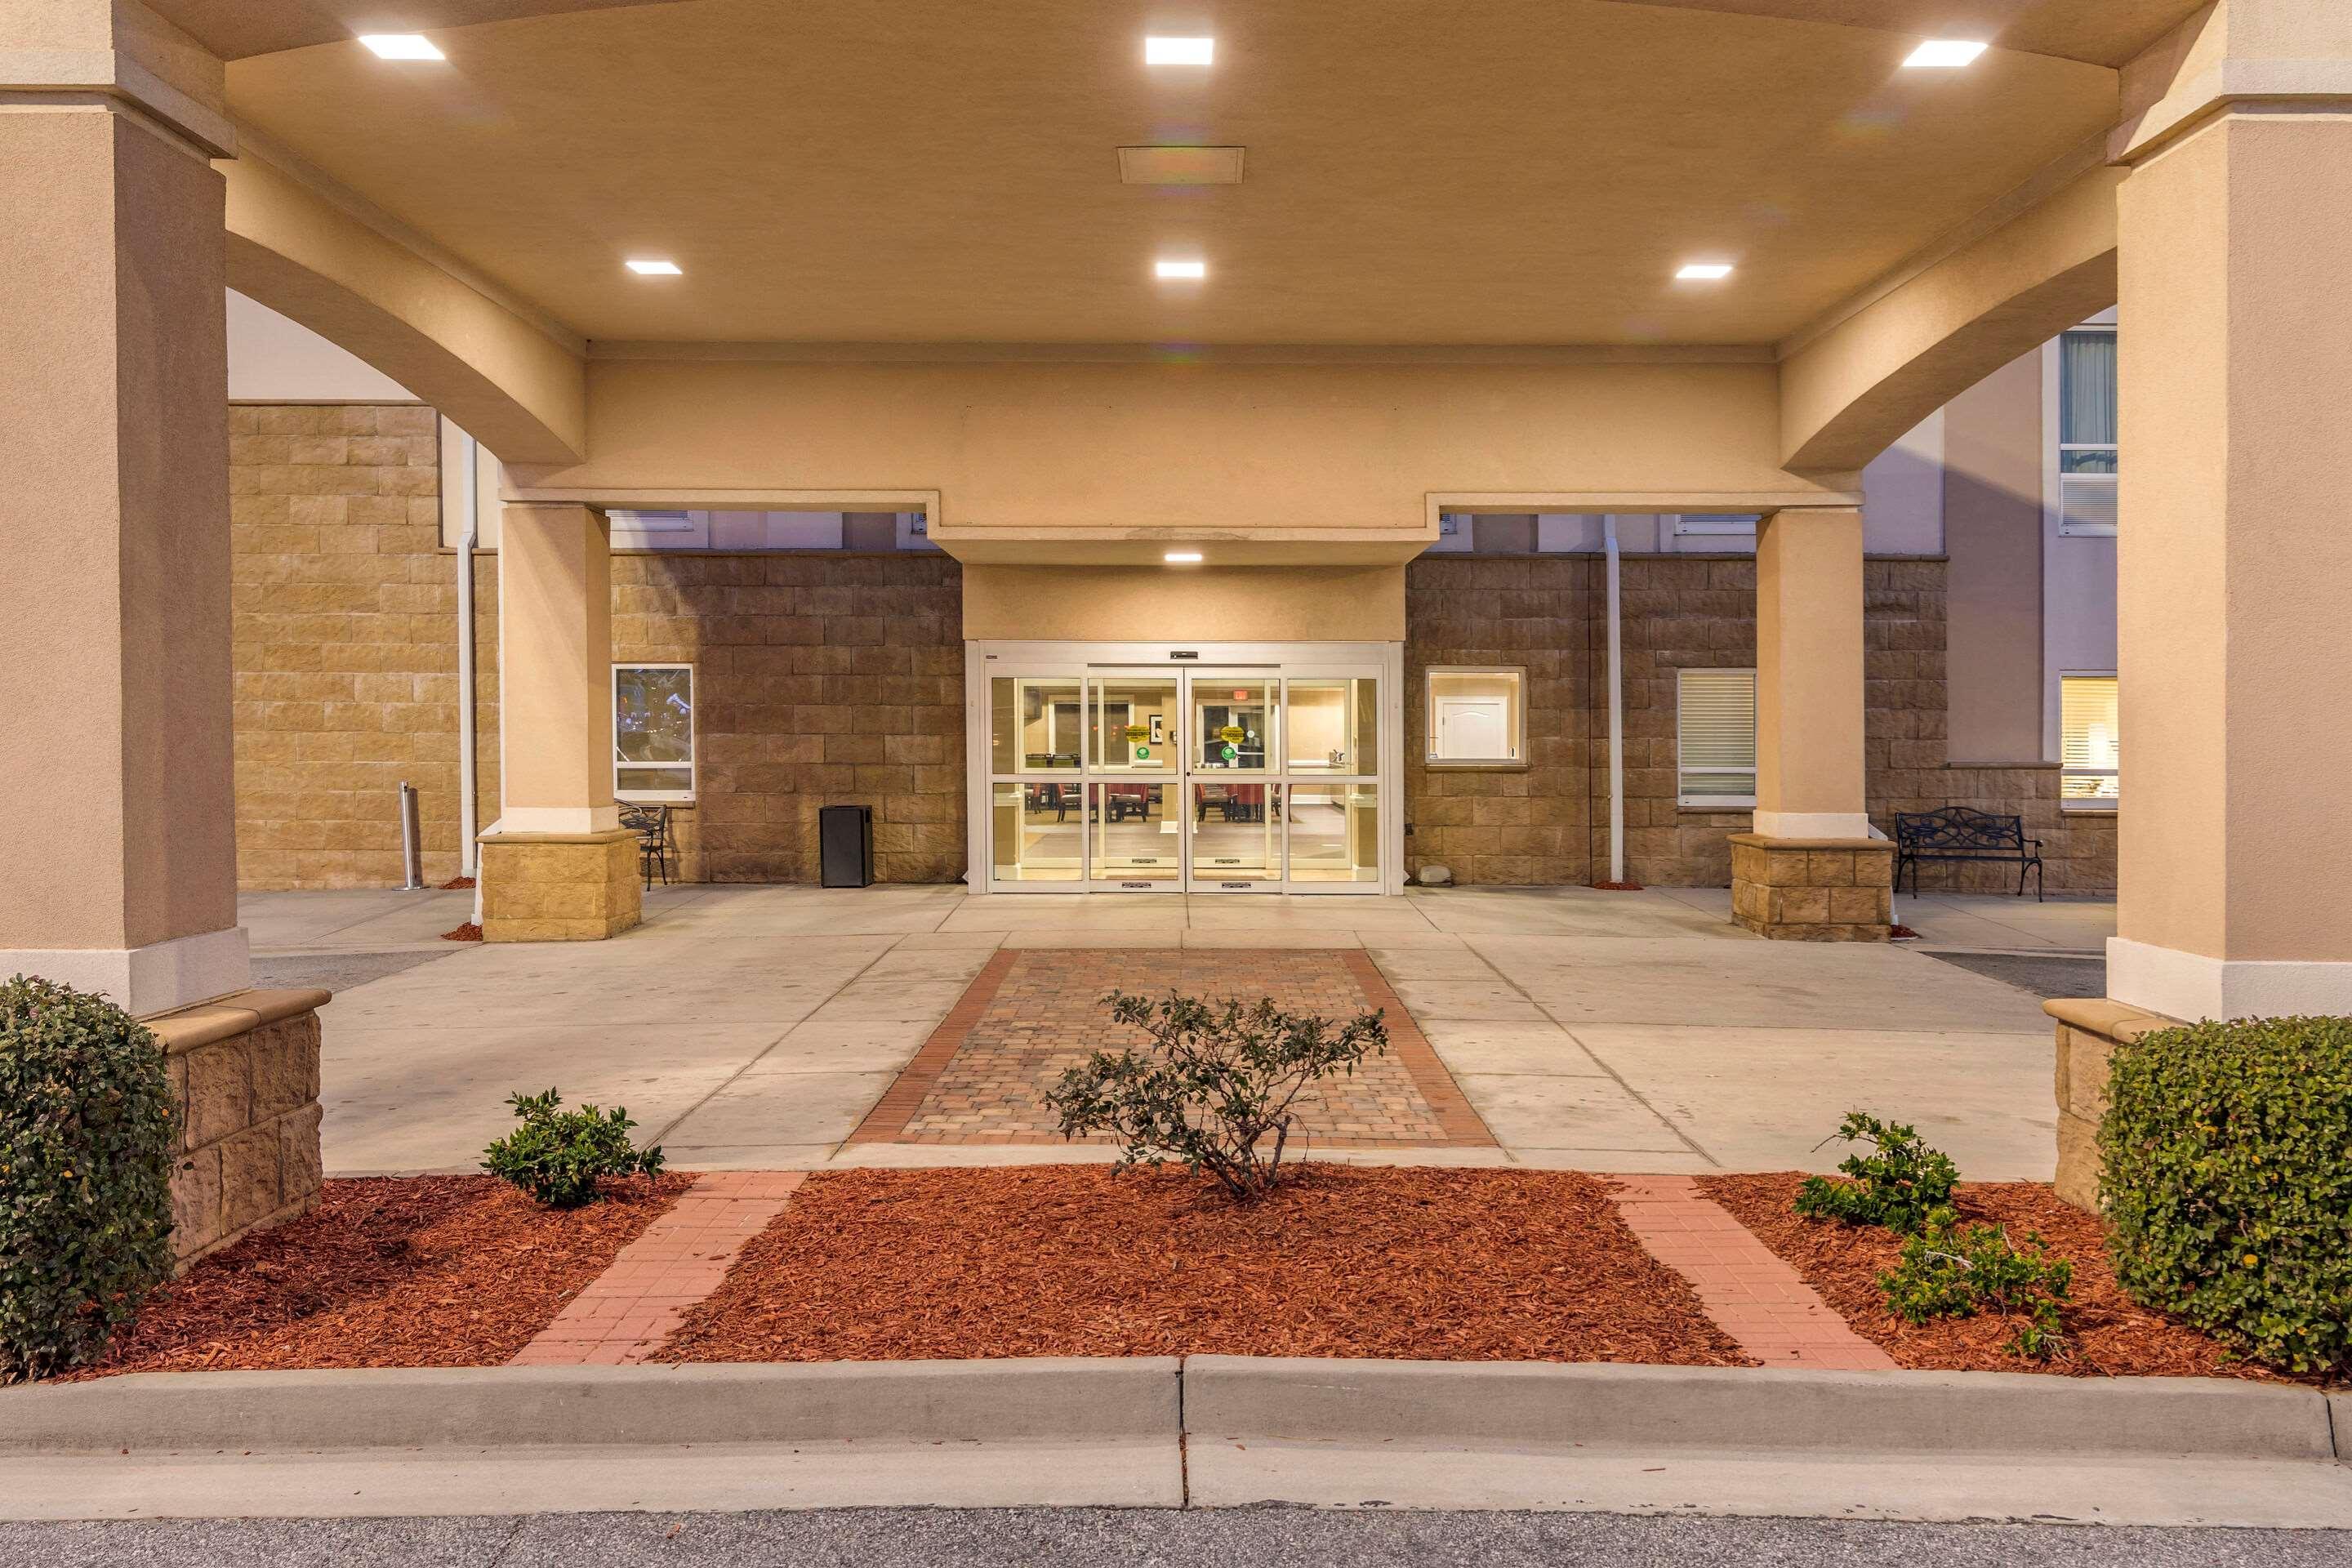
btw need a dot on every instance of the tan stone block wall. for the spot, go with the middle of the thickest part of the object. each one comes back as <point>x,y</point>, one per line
<point>2088,1030</point>
<point>343,635</point>
<point>559,889</point>
<point>248,1109</point>
<point>1813,893</point>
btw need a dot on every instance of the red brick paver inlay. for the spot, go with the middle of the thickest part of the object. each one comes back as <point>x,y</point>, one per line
<point>1750,1293</point>
<point>626,1313</point>
<point>1032,1014</point>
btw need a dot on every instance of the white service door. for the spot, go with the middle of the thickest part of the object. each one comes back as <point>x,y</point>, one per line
<point>1470,726</point>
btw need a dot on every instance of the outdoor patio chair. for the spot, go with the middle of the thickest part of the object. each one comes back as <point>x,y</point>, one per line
<point>651,824</point>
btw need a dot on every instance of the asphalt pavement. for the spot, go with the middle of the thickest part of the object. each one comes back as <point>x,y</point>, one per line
<point>1102,1538</point>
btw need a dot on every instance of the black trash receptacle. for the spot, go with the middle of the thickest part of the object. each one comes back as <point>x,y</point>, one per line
<point>845,846</point>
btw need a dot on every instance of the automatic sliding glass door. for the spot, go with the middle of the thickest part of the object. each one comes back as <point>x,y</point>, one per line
<point>1134,794</point>
<point>1233,806</point>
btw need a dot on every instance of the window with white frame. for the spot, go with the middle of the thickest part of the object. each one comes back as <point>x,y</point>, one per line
<point>1714,739</point>
<point>2087,431</point>
<point>1478,718</point>
<point>653,731</point>
<point>1715,524</point>
<point>2090,751</point>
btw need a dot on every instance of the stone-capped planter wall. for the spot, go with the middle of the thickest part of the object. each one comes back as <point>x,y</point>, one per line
<point>2089,1029</point>
<point>244,1084</point>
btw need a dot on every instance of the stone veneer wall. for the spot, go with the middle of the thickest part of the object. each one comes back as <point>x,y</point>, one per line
<point>1682,612</point>
<point>244,1073</point>
<point>344,624</point>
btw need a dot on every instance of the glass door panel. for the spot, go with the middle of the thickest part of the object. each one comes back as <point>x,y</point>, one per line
<point>1035,725</point>
<point>1232,723</point>
<point>1134,724</point>
<point>1138,841</point>
<point>1036,831</point>
<point>1236,828</point>
<point>1334,833</point>
<point>1332,726</point>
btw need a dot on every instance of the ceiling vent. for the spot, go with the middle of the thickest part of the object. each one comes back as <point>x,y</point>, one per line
<point>1179,165</point>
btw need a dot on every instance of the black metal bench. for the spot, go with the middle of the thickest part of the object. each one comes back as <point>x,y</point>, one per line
<point>1960,833</point>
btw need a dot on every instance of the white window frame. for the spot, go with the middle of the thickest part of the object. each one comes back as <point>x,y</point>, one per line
<point>1708,802</point>
<point>2095,805</point>
<point>2055,478</point>
<point>1430,759</point>
<point>693,765</point>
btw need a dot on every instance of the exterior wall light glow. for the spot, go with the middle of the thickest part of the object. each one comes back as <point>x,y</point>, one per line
<point>1181,557</point>
<point>1167,268</point>
<point>401,47</point>
<point>654,268</point>
<point>1166,51</point>
<point>1944,54</point>
<point>1704,270</point>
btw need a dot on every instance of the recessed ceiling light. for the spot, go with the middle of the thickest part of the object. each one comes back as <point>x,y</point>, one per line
<point>1708,271</point>
<point>1172,268</point>
<point>1166,51</point>
<point>401,47</point>
<point>1944,54</point>
<point>1181,557</point>
<point>654,268</point>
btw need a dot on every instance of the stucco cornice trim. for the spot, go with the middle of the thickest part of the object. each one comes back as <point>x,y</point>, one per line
<point>261,149</point>
<point>1155,353</point>
<point>1839,491</point>
<point>112,75</point>
<point>2309,87</point>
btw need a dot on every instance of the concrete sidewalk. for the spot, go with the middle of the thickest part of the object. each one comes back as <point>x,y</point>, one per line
<point>754,1027</point>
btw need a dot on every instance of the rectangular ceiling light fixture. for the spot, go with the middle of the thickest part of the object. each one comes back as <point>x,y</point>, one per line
<point>654,268</point>
<point>401,47</point>
<point>1168,51</point>
<point>1704,270</point>
<point>1179,165</point>
<point>1181,557</point>
<point>1174,267</point>
<point>1944,54</point>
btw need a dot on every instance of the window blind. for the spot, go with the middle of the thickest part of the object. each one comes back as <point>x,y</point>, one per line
<point>1715,733</point>
<point>2090,751</point>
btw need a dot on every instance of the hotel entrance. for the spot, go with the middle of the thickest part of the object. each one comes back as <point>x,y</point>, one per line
<point>1215,769</point>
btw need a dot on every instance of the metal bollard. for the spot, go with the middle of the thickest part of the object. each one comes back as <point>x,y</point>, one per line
<point>412,853</point>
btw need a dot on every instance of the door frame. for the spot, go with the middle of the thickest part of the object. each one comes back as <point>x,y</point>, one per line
<point>984,661</point>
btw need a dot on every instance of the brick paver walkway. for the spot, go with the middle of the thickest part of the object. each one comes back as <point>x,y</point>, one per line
<point>626,1311</point>
<point>1032,1014</point>
<point>1750,1293</point>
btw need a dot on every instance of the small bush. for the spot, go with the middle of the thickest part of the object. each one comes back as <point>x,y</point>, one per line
<point>1951,1270</point>
<point>2228,1184</point>
<point>1897,1187</point>
<point>1213,1087</point>
<point>557,1155</point>
<point>87,1144</point>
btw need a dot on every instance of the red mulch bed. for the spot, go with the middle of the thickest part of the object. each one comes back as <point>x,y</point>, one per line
<point>458,884</point>
<point>389,1271</point>
<point>2113,1336</point>
<point>1048,1260</point>
<point>469,932</point>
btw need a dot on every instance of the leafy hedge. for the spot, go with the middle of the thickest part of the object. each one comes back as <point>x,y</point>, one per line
<point>558,1156</point>
<point>2228,1181</point>
<point>85,1153</point>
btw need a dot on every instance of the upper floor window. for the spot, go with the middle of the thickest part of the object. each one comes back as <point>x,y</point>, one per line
<point>653,731</point>
<point>2090,748</point>
<point>1714,739</point>
<point>2087,431</point>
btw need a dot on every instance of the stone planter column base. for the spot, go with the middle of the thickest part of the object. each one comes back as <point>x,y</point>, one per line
<point>560,887</point>
<point>1813,890</point>
<point>2089,1029</point>
<point>244,1081</point>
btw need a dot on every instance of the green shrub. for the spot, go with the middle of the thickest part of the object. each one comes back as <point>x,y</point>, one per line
<point>1951,1270</point>
<point>1896,1186</point>
<point>87,1146</point>
<point>557,1155</point>
<point>2228,1184</point>
<point>1212,1086</point>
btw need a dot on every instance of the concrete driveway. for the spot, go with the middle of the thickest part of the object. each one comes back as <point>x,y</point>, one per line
<point>754,1026</point>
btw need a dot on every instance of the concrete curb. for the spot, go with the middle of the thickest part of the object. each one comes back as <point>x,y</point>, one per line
<point>1043,1400</point>
<point>1430,1404</point>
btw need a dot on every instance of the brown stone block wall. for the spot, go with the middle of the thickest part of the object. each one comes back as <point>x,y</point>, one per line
<point>1503,826</point>
<point>244,1073</point>
<point>344,637</point>
<point>554,889</point>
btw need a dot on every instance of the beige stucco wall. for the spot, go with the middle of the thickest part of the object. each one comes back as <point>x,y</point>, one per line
<point>113,607</point>
<point>1809,667</point>
<point>555,666</point>
<point>1117,604</point>
<point>1992,532</point>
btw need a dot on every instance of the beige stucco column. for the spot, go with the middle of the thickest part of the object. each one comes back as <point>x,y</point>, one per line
<point>1810,869</point>
<point>557,866</point>
<point>2234,562</point>
<point>121,875</point>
